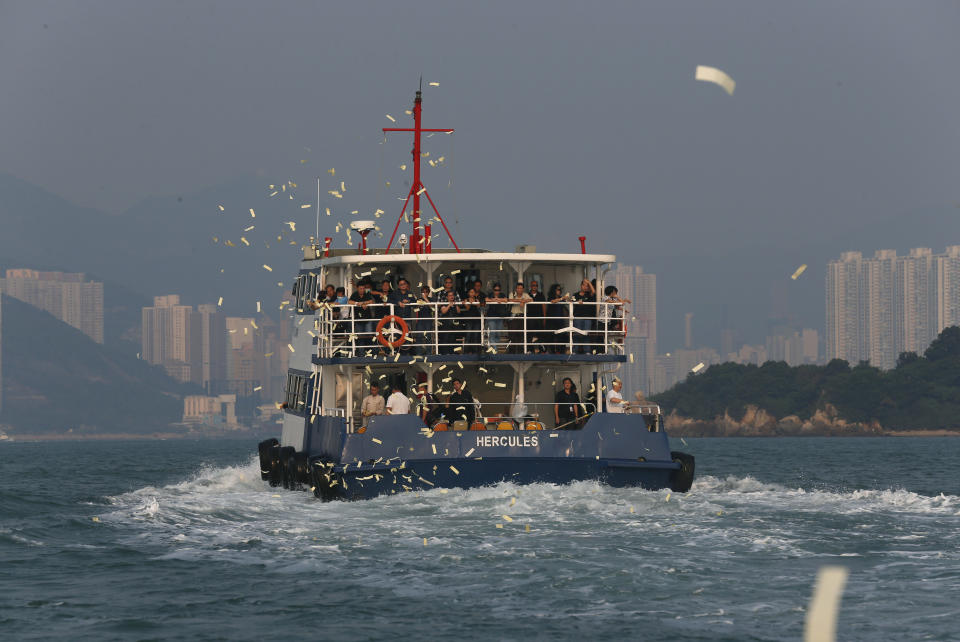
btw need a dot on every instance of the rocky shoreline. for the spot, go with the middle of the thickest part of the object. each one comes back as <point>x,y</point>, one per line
<point>757,422</point>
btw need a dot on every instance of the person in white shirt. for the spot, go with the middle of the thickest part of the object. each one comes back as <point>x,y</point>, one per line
<point>397,403</point>
<point>615,402</point>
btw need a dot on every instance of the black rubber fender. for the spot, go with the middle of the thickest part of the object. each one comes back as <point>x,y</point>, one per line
<point>267,455</point>
<point>286,453</point>
<point>301,468</point>
<point>682,479</point>
<point>321,478</point>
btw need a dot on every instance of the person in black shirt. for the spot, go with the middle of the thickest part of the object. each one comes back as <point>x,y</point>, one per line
<point>567,408</point>
<point>556,317</point>
<point>380,298</point>
<point>470,318</point>
<point>460,404</point>
<point>447,288</point>
<point>361,300</point>
<point>584,313</point>
<point>496,311</point>
<point>449,315</point>
<point>536,323</point>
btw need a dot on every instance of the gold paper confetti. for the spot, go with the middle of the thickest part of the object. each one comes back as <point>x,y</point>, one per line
<point>252,213</point>
<point>221,207</point>
<point>392,119</point>
<point>821,618</point>
<point>434,84</point>
<point>716,76</point>
<point>799,271</point>
<point>455,471</point>
<point>507,518</point>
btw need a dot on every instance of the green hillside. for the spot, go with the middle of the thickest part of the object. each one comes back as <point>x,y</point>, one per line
<point>55,379</point>
<point>922,392</point>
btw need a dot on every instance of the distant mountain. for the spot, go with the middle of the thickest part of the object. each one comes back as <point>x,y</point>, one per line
<point>165,245</point>
<point>162,245</point>
<point>55,378</point>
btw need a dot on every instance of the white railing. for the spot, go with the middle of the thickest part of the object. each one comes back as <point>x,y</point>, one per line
<point>428,329</point>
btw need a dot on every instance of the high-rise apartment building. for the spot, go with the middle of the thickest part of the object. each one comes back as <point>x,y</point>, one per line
<point>878,333</point>
<point>210,337</point>
<point>946,274</point>
<point>880,307</point>
<point>843,308</point>
<point>641,321</point>
<point>67,296</point>
<point>190,345</point>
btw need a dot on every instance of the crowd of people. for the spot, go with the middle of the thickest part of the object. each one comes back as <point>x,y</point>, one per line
<point>569,412</point>
<point>544,322</point>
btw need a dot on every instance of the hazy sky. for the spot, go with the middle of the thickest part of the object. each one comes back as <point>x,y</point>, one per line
<point>572,117</point>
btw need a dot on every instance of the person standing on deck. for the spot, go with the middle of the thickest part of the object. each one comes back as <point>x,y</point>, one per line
<point>362,300</point>
<point>430,409</point>
<point>519,300</point>
<point>460,404</point>
<point>584,312</point>
<point>496,311</point>
<point>372,405</point>
<point>567,407</point>
<point>615,402</point>
<point>397,403</point>
<point>536,312</point>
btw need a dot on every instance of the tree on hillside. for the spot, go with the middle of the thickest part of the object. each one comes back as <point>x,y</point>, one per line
<point>945,346</point>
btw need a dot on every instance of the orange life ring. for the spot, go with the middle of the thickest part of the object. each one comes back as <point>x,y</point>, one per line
<point>403,331</point>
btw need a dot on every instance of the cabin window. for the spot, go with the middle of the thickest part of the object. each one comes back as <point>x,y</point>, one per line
<point>296,393</point>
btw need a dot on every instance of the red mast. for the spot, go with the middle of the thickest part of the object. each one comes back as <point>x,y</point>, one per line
<point>417,188</point>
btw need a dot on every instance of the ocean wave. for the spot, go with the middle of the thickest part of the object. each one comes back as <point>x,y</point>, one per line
<point>748,489</point>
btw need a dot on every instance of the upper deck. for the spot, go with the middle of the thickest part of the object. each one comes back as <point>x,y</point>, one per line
<point>556,327</point>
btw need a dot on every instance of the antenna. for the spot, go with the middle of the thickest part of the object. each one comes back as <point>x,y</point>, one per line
<point>418,243</point>
<point>318,208</point>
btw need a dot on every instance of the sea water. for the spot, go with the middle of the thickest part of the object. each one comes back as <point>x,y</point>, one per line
<point>182,540</point>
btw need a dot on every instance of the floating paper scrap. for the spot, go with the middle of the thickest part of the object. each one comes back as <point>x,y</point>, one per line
<point>424,541</point>
<point>798,272</point>
<point>220,302</point>
<point>332,171</point>
<point>455,471</point>
<point>221,207</point>
<point>821,619</point>
<point>293,226</point>
<point>392,119</point>
<point>258,304</point>
<point>252,213</point>
<point>291,347</point>
<point>376,441</point>
<point>434,84</point>
<point>507,518</point>
<point>716,76</point>
<point>248,228</point>
<point>698,367</point>
<point>267,268</point>
<point>499,525</point>
<point>258,388</point>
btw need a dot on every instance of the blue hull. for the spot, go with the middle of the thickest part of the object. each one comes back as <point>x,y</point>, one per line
<point>367,482</point>
<point>399,454</point>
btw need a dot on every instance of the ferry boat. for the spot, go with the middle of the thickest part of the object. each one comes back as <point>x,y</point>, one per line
<point>493,388</point>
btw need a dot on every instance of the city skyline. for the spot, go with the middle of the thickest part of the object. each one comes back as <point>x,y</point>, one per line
<point>882,306</point>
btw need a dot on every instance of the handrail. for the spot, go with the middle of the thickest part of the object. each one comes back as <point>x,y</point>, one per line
<point>429,331</point>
